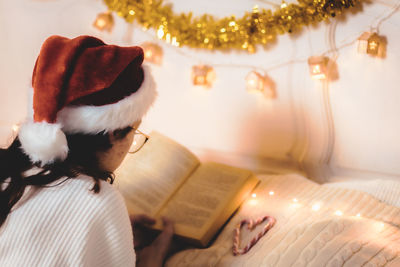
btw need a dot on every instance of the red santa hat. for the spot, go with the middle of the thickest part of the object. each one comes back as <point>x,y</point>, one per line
<point>82,85</point>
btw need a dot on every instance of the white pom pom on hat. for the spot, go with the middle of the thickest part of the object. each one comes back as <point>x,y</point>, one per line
<point>43,142</point>
<point>82,85</point>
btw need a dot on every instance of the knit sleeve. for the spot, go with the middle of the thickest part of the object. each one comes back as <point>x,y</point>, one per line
<point>110,239</point>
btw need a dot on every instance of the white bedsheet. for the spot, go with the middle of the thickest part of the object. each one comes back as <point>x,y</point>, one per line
<point>325,226</point>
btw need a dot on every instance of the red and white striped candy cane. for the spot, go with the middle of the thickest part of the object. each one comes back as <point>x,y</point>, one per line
<point>250,225</point>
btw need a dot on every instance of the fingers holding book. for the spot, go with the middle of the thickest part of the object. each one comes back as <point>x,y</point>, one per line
<point>151,248</point>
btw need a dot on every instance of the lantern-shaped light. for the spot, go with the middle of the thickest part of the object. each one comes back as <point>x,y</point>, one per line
<point>254,82</point>
<point>318,67</point>
<point>152,52</point>
<point>203,75</point>
<point>104,21</point>
<point>371,43</point>
<point>258,83</point>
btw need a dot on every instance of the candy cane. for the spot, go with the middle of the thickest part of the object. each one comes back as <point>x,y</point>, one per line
<point>250,225</point>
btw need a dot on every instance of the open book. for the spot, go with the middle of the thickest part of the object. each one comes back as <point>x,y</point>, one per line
<point>166,179</point>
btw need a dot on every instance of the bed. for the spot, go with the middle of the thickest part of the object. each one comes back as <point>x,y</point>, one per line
<point>316,225</point>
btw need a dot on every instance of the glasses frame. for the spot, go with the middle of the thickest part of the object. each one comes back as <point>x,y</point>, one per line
<point>147,137</point>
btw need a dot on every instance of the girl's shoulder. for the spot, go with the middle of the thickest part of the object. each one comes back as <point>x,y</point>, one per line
<point>72,194</point>
<point>70,222</point>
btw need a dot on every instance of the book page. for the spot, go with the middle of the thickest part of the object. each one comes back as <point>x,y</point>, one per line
<point>149,177</point>
<point>204,195</point>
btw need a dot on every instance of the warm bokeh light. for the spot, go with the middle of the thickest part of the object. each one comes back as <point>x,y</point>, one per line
<point>15,127</point>
<point>316,207</point>
<point>379,226</point>
<point>152,52</point>
<point>295,200</point>
<point>371,43</point>
<point>260,83</point>
<point>104,22</point>
<point>253,202</point>
<point>338,213</point>
<point>254,195</point>
<point>271,193</point>
<point>160,32</point>
<point>174,41</point>
<point>318,67</point>
<point>373,46</point>
<point>255,82</point>
<point>203,75</point>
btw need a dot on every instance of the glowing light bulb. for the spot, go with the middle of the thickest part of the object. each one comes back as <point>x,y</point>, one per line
<point>338,213</point>
<point>318,67</point>
<point>260,83</point>
<point>253,202</point>
<point>203,75</point>
<point>15,128</point>
<point>316,207</point>
<point>380,226</point>
<point>254,195</point>
<point>104,22</point>
<point>100,23</point>
<point>152,52</point>
<point>160,32</point>
<point>255,82</point>
<point>371,43</point>
<point>174,42</point>
<point>255,9</point>
<point>271,193</point>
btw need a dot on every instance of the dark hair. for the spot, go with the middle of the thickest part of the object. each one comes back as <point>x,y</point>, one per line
<point>82,159</point>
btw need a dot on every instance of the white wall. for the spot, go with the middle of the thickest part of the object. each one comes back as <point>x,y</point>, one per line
<point>253,130</point>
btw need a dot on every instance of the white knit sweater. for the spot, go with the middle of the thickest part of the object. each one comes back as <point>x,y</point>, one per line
<point>68,225</point>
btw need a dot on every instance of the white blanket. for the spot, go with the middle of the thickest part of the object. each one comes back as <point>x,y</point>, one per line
<point>316,225</point>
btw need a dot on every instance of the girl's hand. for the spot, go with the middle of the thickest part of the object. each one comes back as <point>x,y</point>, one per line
<point>142,236</point>
<point>151,249</point>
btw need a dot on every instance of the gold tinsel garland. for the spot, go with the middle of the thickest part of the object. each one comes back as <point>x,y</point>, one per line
<point>258,27</point>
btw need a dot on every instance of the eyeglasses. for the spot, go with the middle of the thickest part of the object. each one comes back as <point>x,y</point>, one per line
<point>139,140</point>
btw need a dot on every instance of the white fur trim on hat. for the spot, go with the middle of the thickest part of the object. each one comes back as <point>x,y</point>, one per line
<point>43,142</point>
<point>94,119</point>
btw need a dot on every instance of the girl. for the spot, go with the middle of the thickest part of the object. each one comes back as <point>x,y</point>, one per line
<point>57,205</point>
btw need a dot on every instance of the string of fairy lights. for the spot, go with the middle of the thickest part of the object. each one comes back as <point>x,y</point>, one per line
<point>321,67</point>
<point>316,206</point>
